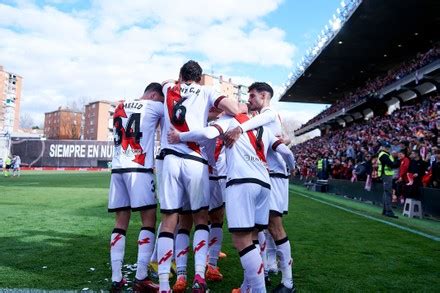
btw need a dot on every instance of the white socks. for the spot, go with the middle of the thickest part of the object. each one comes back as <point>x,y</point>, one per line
<point>182,251</point>
<point>285,255</point>
<point>165,247</point>
<point>117,249</point>
<point>200,248</point>
<point>145,250</point>
<point>252,263</point>
<point>271,251</point>
<point>215,242</point>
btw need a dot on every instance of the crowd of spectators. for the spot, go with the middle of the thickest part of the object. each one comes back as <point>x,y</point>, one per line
<point>351,153</point>
<point>373,85</point>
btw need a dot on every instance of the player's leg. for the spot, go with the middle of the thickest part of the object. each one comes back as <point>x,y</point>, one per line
<point>271,250</point>
<point>196,181</point>
<point>200,248</point>
<point>146,244</point>
<point>119,203</point>
<point>245,197</point>
<point>283,249</point>
<point>170,198</point>
<point>182,250</point>
<point>158,173</point>
<point>117,244</point>
<point>216,216</point>
<point>276,229</point>
<point>278,207</point>
<point>142,197</point>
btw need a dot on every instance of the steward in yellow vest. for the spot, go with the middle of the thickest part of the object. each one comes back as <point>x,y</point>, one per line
<point>386,164</point>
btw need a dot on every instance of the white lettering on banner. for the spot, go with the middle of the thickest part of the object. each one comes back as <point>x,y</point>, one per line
<point>80,151</point>
<point>52,151</point>
<point>106,151</point>
<point>59,151</point>
<point>89,151</point>
<point>95,151</point>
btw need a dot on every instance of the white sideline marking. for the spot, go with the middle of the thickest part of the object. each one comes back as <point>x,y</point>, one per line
<point>432,237</point>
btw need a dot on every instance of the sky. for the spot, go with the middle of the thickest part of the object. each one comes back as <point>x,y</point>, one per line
<point>108,49</point>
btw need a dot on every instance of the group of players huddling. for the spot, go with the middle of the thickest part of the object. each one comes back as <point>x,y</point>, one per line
<point>215,157</point>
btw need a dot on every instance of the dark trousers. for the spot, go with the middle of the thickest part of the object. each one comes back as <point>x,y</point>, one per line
<point>387,194</point>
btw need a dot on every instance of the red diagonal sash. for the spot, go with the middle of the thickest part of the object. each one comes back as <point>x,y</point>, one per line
<point>173,97</point>
<point>257,145</point>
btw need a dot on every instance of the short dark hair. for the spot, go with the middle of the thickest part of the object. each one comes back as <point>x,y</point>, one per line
<point>191,71</point>
<point>261,87</point>
<point>155,87</point>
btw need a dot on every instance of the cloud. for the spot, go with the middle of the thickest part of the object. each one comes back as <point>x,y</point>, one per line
<point>111,50</point>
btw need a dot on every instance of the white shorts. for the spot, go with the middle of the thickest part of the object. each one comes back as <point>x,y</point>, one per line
<point>185,185</point>
<point>247,207</point>
<point>158,170</point>
<point>131,190</point>
<point>216,188</point>
<point>279,196</point>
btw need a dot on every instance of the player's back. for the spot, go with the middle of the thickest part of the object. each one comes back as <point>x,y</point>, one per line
<point>186,108</point>
<point>134,125</point>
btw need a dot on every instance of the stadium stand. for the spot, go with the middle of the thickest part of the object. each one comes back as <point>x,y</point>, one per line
<point>380,73</point>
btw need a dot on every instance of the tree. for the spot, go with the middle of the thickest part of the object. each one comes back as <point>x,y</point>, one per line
<point>26,120</point>
<point>79,104</point>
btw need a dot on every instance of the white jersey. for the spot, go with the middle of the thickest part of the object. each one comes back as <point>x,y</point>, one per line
<point>134,128</point>
<point>275,161</point>
<point>17,162</point>
<point>186,108</point>
<point>246,159</point>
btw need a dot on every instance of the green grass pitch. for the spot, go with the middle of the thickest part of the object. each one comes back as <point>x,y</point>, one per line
<point>55,228</point>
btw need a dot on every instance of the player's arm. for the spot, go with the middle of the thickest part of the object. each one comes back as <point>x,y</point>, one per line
<point>260,120</point>
<point>286,140</point>
<point>285,152</point>
<point>199,135</point>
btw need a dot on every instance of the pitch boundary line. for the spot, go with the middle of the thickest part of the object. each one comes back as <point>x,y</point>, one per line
<point>432,237</point>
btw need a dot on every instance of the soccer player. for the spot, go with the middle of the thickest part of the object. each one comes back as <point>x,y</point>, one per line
<point>185,170</point>
<point>247,188</point>
<point>260,95</point>
<point>17,163</point>
<point>132,182</point>
<point>7,166</point>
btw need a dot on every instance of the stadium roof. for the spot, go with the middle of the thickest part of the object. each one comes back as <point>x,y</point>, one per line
<point>378,36</point>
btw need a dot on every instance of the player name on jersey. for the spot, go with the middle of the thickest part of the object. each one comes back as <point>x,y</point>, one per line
<point>133,105</point>
<point>189,90</point>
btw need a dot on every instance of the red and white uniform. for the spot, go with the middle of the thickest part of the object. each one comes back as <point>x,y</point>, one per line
<point>185,177</point>
<point>132,179</point>
<point>279,175</point>
<point>215,150</point>
<point>247,184</point>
